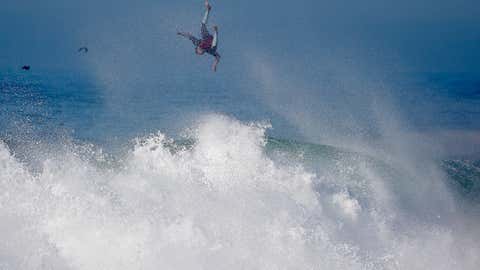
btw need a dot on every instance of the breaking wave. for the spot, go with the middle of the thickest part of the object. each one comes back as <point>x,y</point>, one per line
<point>228,198</point>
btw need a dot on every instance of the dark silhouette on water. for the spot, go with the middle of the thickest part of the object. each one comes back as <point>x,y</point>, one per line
<point>26,67</point>
<point>84,49</point>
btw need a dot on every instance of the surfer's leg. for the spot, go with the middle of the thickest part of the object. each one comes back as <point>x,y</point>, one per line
<point>207,12</point>
<point>215,37</point>
<point>204,30</point>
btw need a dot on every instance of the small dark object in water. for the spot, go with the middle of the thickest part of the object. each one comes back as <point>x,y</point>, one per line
<point>26,67</point>
<point>84,49</point>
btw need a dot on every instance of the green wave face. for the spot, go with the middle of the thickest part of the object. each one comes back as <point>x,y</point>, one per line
<point>463,176</point>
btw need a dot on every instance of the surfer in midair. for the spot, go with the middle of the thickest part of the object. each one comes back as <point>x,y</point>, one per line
<point>207,43</point>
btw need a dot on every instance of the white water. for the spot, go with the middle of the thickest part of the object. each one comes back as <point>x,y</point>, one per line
<point>223,204</point>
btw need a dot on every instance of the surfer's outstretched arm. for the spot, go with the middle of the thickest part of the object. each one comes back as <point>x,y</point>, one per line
<point>194,40</point>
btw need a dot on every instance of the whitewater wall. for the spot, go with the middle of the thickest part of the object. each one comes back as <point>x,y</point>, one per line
<point>226,202</point>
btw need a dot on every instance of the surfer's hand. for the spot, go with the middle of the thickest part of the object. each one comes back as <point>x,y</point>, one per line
<point>207,5</point>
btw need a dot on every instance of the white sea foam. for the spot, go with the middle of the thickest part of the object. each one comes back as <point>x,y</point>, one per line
<point>222,203</point>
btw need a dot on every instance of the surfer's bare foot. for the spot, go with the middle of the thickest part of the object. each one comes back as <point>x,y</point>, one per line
<point>215,28</point>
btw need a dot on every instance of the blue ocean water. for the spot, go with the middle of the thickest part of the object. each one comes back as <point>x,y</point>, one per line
<point>179,175</point>
<point>76,104</point>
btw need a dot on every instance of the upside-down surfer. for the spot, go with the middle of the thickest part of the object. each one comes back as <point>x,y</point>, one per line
<point>208,43</point>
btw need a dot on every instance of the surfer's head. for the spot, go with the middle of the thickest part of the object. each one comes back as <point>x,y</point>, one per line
<point>199,50</point>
